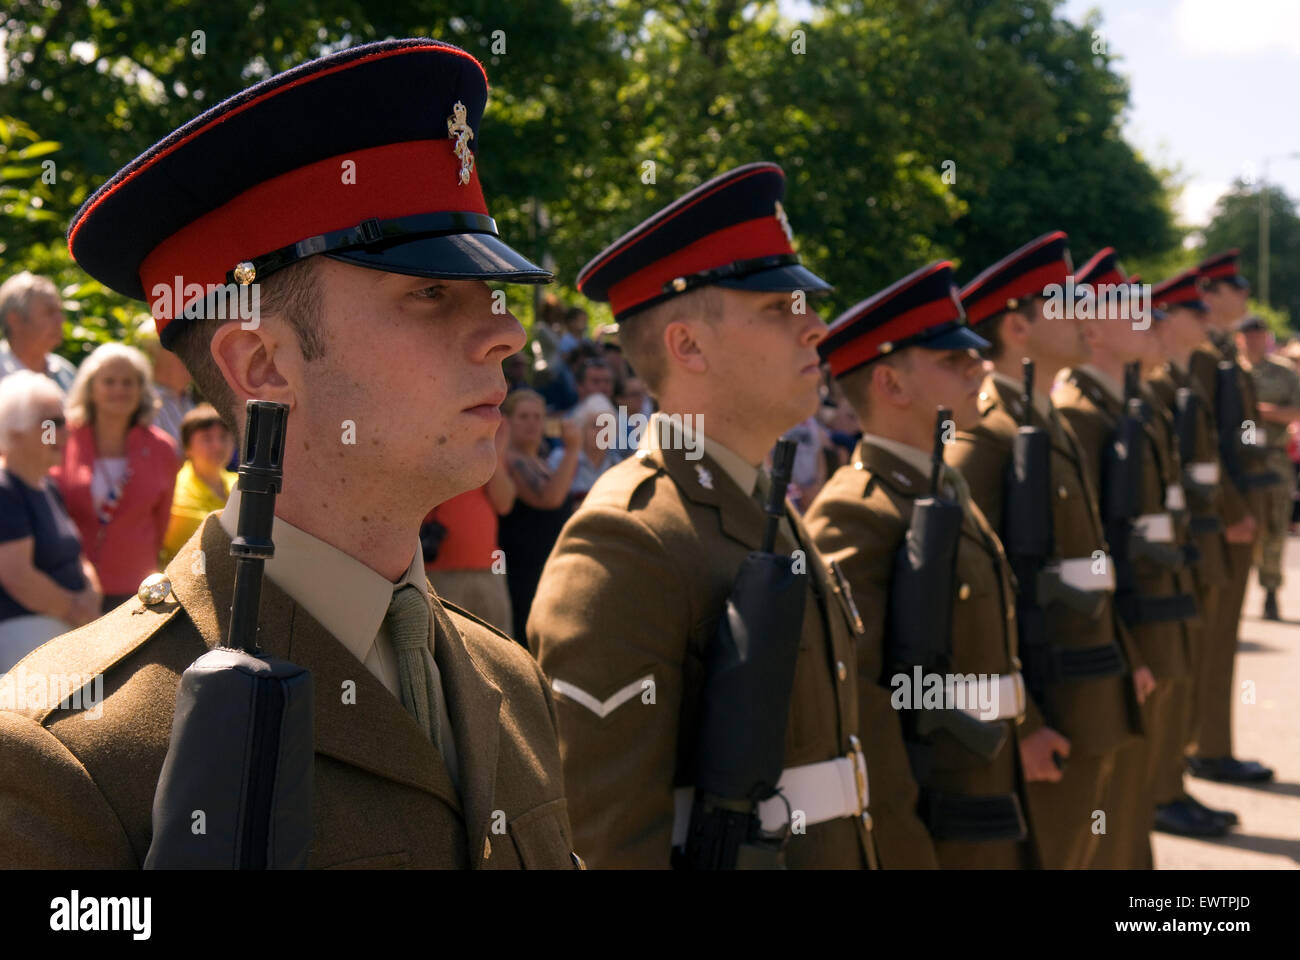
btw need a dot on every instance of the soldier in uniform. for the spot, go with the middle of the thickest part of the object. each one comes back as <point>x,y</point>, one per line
<point>1089,706</point>
<point>396,302</point>
<point>1148,596</point>
<point>1278,388</point>
<point>898,356</point>
<point>1225,292</point>
<point>710,300</point>
<point>1186,427</point>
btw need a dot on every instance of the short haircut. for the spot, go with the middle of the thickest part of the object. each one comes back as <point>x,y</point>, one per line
<point>81,405</point>
<point>21,396</point>
<point>200,418</point>
<point>991,330</point>
<point>642,334</point>
<point>856,385</point>
<point>17,293</point>
<point>292,293</point>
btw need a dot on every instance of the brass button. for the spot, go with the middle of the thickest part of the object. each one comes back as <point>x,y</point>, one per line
<point>963,593</point>
<point>154,589</point>
<point>1062,492</point>
<point>841,671</point>
<point>244,273</point>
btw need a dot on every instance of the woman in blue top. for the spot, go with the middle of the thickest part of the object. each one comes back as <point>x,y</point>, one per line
<point>47,586</point>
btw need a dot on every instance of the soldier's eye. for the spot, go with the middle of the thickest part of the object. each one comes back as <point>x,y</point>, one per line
<point>435,292</point>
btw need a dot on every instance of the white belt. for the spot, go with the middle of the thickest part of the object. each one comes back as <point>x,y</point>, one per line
<point>1205,472</point>
<point>820,791</point>
<point>1079,572</point>
<point>1155,527</point>
<point>1174,498</point>
<point>1009,697</point>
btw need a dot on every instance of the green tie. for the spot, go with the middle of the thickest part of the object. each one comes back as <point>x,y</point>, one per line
<point>418,682</point>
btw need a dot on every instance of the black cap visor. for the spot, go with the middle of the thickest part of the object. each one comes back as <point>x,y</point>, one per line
<point>790,277</point>
<point>448,256</point>
<point>956,337</point>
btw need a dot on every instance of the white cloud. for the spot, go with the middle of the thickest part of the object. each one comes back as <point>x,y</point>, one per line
<point>1197,200</point>
<point>1212,28</point>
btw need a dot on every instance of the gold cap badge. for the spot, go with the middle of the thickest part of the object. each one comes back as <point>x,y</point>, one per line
<point>458,129</point>
<point>785,222</point>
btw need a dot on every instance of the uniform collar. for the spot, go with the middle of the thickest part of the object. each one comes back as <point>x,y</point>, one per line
<point>334,588</point>
<point>919,460</point>
<point>743,474</point>
<point>733,464</point>
<point>1042,402</point>
<point>1105,381</point>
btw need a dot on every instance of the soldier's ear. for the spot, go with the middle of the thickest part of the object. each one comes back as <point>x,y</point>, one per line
<point>681,339</point>
<point>887,385</point>
<point>258,362</point>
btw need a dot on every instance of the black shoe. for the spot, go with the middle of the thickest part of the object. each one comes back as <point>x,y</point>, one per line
<point>1229,818</point>
<point>1229,770</point>
<point>1184,820</point>
<point>1270,606</point>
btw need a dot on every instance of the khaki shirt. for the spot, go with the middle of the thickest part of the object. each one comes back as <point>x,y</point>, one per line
<point>1219,348</point>
<point>82,784</point>
<point>1165,383</point>
<point>1094,713</point>
<point>626,608</point>
<point>860,519</point>
<point>1276,382</point>
<point>349,598</point>
<point>1093,407</point>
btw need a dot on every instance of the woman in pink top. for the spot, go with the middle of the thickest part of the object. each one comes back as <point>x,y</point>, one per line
<point>118,471</point>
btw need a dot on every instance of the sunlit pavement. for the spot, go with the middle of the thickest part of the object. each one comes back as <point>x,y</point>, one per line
<point>1268,730</point>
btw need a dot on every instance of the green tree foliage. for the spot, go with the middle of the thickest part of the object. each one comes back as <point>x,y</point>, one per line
<point>1235,223</point>
<point>909,130</point>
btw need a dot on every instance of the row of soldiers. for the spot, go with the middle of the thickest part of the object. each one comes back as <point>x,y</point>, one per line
<point>1097,586</point>
<point>655,725</point>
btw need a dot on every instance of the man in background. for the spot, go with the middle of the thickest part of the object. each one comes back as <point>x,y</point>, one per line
<point>1278,389</point>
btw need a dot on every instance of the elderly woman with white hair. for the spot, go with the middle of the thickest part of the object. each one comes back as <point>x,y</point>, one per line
<point>118,470</point>
<point>47,586</point>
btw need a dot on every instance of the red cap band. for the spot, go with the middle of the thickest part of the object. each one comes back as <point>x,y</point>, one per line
<point>401,179</point>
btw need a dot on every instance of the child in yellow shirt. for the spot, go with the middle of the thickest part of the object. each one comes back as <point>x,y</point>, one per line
<point>203,483</point>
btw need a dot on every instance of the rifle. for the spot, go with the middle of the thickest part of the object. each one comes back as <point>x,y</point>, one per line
<point>919,618</point>
<point>749,678</point>
<point>241,754</point>
<point>1231,420</point>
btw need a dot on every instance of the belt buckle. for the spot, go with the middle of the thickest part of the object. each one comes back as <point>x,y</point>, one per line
<point>859,762</point>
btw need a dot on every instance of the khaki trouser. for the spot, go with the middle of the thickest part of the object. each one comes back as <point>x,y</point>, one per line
<point>481,592</point>
<point>1276,521</point>
<point>1129,802</point>
<point>1062,813</point>
<point>1213,696</point>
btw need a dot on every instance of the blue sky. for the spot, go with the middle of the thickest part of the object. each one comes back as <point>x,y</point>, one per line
<point>1214,88</point>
